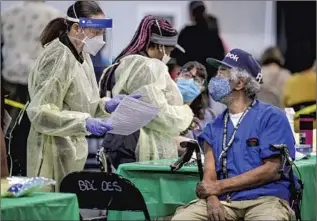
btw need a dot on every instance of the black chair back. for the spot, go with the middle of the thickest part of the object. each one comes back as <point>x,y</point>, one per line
<point>99,190</point>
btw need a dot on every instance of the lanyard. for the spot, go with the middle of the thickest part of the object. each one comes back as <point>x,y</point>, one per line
<point>226,146</point>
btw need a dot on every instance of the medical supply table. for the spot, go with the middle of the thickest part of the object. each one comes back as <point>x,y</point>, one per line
<point>40,206</point>
<point>164,191</point>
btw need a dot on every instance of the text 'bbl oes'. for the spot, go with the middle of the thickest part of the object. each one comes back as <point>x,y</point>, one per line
<point>90,185</point>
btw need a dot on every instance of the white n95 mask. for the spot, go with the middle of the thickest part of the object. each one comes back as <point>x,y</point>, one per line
<point>165,58</point>
<point>93,45</point>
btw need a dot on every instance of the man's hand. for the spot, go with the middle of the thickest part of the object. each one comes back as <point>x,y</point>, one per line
<point>215,211</point>
<point>204,189</point>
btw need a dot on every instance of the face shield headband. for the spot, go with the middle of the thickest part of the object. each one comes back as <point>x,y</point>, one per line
<point>92,22</point>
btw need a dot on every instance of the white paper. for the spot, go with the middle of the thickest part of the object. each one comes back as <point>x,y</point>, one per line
<point>131,115</point>
<point>299,155</point>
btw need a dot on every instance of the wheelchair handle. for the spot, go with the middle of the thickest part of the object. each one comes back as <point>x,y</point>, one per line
<point>190,146</point>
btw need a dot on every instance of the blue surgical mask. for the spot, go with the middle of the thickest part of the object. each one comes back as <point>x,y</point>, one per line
<point>219,88</point>
<point>188,88</point>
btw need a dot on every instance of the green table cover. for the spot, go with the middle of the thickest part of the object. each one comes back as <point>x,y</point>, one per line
<point>164,191</point>
<point>41,206</point>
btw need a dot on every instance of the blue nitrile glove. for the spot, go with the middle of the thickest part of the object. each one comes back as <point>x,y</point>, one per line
<point>115,101</point>
<point>97,126</point>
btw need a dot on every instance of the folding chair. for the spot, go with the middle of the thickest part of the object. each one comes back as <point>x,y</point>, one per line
<point>99,190</point>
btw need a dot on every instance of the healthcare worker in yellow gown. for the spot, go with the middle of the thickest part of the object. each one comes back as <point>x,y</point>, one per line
<point>65,105</point>
<point>142,70</point>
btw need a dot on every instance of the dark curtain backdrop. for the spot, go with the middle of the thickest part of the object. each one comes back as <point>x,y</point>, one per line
<point>296,32</point>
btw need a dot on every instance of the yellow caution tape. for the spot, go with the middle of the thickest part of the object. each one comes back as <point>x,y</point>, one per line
<point>14,103</point>
<point>306,110</point>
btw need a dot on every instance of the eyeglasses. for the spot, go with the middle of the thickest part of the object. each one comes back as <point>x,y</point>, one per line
<point>189,75</point>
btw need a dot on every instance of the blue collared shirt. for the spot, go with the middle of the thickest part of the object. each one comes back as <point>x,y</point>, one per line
<point>267,124</point>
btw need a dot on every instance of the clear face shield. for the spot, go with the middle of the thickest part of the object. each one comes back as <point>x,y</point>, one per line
<point>101,44</point>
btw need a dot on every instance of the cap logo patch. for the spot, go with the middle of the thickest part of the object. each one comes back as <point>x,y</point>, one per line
<point>232,56</point>
<point>259,77</point>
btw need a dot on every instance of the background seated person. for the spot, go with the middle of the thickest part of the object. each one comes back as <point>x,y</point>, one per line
<point>300,90</point>
<point>192,83</point>
<point>243,181</point>
<point>274,76</point>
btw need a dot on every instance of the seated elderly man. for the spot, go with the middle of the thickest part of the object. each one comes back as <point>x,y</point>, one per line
<point>241,173</point>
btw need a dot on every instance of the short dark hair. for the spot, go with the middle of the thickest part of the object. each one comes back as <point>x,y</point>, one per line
<point>84,9</point>
<point>141,39</point>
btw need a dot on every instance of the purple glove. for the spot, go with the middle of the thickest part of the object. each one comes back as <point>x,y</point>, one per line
<point>97,127</point>
<point>115,101</point>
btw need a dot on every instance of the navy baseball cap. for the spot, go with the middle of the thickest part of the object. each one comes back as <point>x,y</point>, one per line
<point>238,58</point>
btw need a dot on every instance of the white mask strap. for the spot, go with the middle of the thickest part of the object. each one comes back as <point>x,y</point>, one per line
<point>75,11</point>
<point>158,25</point>
<point>159,28</point>
<point>72,19</point>
<point>76,19</point>
<point>163,49</point>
